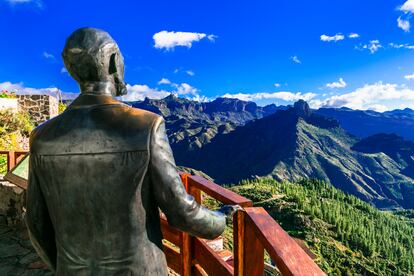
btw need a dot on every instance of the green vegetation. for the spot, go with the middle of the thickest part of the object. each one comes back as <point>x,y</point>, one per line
<point>14,130</point>
<point>7,95</point>
<point>62,107</point>
<point>347,235</point>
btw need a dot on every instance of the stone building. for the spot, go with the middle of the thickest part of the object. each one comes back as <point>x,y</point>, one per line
<point>40,107</point>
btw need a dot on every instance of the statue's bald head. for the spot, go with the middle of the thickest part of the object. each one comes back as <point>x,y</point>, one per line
<point>94,60</point>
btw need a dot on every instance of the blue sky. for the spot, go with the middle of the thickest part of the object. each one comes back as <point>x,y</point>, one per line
<point>351,53</point>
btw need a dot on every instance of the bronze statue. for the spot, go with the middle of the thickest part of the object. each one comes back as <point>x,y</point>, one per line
<point>99,173</point>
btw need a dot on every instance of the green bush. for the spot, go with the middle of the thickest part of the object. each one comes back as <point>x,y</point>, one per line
<point>13,127</point>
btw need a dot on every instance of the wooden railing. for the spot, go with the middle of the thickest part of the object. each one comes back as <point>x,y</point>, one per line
<point>254,231</point>
<point>13,157</point>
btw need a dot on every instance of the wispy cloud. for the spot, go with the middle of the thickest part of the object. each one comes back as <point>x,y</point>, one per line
<point>337,84</point>
<point>403,46</point>
<point>164,81</point>
<point>334,38</point>
<point>353,35</point>
<point>169,40</point>
<point>48,55</point>
<point>373,46</point>
<point>36,3</point>
<point>409,77</point>
<point>190,73</point>
<point>403,24</point>
<point>284,95</point>
<point>277,85</point>
<point>295,59</point>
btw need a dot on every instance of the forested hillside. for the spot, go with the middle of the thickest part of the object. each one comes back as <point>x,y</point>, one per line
<point>347,235</point>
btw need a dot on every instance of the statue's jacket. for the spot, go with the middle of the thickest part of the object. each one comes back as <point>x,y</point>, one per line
<point>98,175</point>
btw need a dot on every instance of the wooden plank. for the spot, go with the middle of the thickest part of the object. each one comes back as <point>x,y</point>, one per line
<point>199,271</point>
<point>11,160</point>
<point>285,252</point>
<point>253,251</point>
<point>209,260</point>
<point>186,248</point>
<point>171,234</point>
<point>173,258</point>
<point>216,191</point>
<point>238,240</point>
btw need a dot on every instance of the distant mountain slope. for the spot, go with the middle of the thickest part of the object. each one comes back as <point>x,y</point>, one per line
<point>366,123</point>
<point>402,151</point>
<point>192,124</point>
<point>296,144</point>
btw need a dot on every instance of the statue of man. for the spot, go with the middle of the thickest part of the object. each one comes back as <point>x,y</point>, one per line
<point>100,172</point>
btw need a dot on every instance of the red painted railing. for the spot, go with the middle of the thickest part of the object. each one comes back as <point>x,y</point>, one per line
<point>254,231</point>
<point>13,157</point>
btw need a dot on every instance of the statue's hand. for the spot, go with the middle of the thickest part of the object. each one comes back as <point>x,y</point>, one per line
<point>229,210</point>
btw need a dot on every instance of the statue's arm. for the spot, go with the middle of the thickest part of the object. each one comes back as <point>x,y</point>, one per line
<point>181,209</point>
<point>39,225</point>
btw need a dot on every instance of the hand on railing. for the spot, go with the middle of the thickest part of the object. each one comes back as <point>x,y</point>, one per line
<point>229,210</point>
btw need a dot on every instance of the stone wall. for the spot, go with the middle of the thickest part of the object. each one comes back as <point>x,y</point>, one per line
<point>40,107</point>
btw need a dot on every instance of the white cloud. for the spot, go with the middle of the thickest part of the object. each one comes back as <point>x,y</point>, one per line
<point>64,70</point>
<point>378,96</point>
<point>37,3</point>
<point>335,38</point>
<point>337,84</point>
<point>408,6</point>
<point>185,89</point>
<point>190,72</point>
<point>399,46</point>
<point>48,55</point>
<point>409,77</point>
<point>21,89</point>
<point>277,85</point>
<point>139,92</point>
<point>164,81</point>
<point>403,24</point>
<point>295,59</point>
<point>353,35</point>
<point>170,40</point>
<point>372,46</point>
<point>212,37</point>
<point>285,96</point>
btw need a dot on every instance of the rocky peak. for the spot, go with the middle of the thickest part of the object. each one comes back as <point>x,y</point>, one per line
<point>302,108</point>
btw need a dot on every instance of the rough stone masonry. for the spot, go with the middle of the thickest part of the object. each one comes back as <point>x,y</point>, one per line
<point>40,107</point>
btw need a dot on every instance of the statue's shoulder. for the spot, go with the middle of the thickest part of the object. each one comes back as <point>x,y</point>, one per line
<point>138,118</point>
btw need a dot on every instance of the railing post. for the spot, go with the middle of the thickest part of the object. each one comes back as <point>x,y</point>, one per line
<point>11,160</point>
<point>253,251</point>
<point>238,240</point>
<point>186,250</point>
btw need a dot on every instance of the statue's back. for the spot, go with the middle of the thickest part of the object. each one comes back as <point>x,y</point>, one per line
<point>91,164</point>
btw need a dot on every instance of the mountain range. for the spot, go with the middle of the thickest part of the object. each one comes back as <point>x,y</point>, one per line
<point>363,123</point>
<point>232,140</point>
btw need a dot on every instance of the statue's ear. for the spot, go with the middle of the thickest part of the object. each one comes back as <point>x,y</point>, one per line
<point>112,64</point>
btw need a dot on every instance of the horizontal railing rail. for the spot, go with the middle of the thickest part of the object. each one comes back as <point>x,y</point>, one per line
<point>254,231</point>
